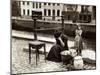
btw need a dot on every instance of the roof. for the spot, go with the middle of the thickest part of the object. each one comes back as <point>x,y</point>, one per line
<point>51,1</point>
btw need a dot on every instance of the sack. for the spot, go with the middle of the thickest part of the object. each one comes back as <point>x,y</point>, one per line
<point>78,62</point>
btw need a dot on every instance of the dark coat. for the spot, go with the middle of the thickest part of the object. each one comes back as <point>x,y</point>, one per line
<point>54,54</point>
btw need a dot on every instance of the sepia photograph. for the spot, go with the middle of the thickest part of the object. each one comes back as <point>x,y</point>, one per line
<point>52,37</point>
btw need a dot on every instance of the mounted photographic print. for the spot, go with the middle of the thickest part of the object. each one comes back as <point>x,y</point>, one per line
<point>52,37</point>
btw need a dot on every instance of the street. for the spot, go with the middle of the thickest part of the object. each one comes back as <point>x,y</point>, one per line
<point>20,59</point>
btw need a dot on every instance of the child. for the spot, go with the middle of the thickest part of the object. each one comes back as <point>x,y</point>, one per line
<point>78,39</point>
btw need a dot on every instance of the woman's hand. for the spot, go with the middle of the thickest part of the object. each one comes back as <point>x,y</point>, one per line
<point>62,43</point>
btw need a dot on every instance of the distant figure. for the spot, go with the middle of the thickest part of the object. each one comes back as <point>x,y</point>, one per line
<point>78,39</point>
<point>61,45</point>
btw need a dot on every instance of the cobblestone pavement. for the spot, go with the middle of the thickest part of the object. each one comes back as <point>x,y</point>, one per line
<point>20,63</point>
<point>20,59</point>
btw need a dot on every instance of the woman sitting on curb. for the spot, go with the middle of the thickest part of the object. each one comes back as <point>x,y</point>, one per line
<point>61,45</point>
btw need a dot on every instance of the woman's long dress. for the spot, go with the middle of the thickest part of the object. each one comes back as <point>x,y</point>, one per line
<point>54,54</point>
<point>78,41</point>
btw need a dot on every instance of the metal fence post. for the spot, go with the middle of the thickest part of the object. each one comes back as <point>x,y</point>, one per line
<point>35,32</point>
<point>62,17</point>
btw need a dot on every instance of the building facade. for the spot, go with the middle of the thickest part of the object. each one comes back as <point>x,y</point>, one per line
<point>54,11</point>
<point>48,11</point>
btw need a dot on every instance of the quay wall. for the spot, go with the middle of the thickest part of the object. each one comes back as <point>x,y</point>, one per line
<point>89,30</point>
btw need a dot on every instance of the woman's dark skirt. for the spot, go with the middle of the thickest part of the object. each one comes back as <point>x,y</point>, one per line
<point>54,54</point>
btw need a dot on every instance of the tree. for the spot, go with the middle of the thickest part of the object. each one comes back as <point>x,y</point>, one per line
<point>15,8</point>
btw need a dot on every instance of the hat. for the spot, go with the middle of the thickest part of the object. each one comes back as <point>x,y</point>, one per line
<point>57,33</point>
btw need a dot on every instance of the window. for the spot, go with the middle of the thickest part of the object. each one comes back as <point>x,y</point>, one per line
<point>23,11</point>
<point>86,9</point>
<point>49,12</point>
<point>82,8</point>
<point>39,5</point>
<point>69,7</point>
<point>44,12</point>
<point>19,3</point>
<point>44,3</point>
<point>36,5</point>
<point>33,5</point>
<point>58,12</point>
<point>27,3</point>
<point>53,4</point>
<point>23,3</point>
<point>53,12</point>
<point>58,4</point>
<point>28,12</point>
<point>94,12</point>
<point>49,4</point>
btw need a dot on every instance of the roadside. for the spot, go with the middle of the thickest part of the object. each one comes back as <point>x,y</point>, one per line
<point>40,36</point>
<point>20,63</point>
<point>51,21</point>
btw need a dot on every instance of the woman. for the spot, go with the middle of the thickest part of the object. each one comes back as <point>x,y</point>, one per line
<point>78,39</point>
<point>61,44</point>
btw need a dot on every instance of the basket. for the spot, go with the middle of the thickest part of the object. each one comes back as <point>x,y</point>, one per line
<point>66,57</point>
